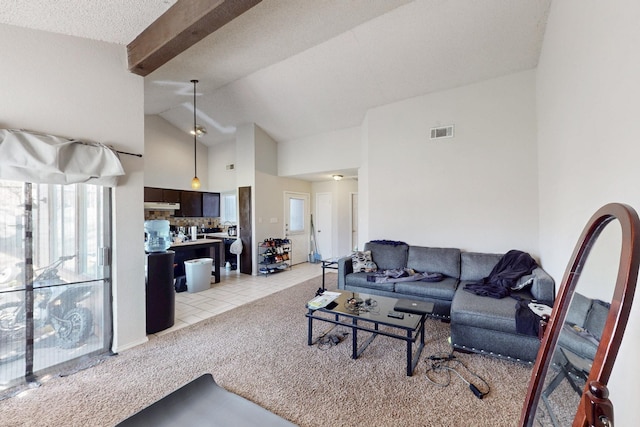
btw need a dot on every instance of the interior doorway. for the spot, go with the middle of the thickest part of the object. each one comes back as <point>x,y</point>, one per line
<point>297,225</point>
<point>354,221</point>
<point>324,224</point>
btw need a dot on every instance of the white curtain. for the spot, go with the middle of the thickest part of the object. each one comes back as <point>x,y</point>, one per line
<point>39,158</point>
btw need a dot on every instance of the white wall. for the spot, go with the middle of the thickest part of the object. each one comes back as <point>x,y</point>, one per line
<point>169,156</point>
<point>269,192</point>
<point>266,152</point>
<point>75,87</point>
<point>220,156</point>
<point>588,130</point>
<point>329,151</point>
<point>477,191</point>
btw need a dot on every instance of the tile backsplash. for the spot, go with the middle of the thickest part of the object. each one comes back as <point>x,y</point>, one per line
<point>182,221</point>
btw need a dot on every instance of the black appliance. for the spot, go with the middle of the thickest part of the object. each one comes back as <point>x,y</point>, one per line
<point>228,256</point>
<point>160,293</point>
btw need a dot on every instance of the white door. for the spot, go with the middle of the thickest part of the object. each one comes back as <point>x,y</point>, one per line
<point>296,225</point>
<point>324,225</point>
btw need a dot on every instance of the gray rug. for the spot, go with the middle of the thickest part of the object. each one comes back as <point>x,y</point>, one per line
<point>260,352</point>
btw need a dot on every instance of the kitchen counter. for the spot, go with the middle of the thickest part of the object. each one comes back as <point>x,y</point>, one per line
<point>195,242</point>
<point>201,248</point>
<point>220,235</point>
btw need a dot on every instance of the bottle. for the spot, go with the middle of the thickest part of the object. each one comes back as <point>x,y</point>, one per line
<point>157,235</point>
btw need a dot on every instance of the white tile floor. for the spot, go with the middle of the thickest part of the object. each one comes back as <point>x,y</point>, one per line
<point>234,290</point>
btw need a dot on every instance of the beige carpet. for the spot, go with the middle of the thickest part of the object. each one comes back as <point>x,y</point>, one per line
<point>260,352</point>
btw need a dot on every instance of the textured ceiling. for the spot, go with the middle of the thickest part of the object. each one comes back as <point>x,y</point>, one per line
<point>298,68</point>
<point>114,21</point>
<point>301,67</point>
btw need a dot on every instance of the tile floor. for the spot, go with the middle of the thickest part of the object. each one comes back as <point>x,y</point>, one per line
<point>234,290</point>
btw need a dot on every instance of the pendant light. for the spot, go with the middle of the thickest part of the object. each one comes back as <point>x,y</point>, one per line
<point>195,182</point>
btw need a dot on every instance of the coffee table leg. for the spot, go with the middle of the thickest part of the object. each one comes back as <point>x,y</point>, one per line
<point>409,354</point>
<point>310,331</point>
<point>354,340</point>
<point>412,360</point>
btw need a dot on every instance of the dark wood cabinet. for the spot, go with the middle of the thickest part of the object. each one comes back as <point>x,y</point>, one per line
<point>152,194</point>
<point>211,205</point>
<point>171,196</point>
<point>192,203</point>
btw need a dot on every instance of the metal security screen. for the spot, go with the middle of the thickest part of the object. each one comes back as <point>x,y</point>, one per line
<point>54,276</point>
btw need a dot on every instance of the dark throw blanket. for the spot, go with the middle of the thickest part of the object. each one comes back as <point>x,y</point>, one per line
<point>504,276</point>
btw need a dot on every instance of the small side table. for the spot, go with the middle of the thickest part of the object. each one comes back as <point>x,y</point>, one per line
<point>332,264</point>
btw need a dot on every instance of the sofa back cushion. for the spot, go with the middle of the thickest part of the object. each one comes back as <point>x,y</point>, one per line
<point>388,256</point>
<point>578,309</point>
<point>476,266</point>
<point>435,260</point>
<point>597,317</point>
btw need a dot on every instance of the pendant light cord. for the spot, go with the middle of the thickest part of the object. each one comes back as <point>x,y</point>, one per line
<point>195,134</point>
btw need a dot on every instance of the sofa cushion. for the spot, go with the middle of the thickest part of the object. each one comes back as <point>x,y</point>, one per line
<point>388,256</point>
<point>361,261</point>
<point>360,280</point>
<point>435,260</point>
<point>482,312</point>
<point>578,309</point>
<point>597,317</point>
<point>574,341</point>
<point>476,266</point>
<point>443,290</point>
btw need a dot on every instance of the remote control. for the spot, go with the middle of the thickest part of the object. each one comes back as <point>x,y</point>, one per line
<point>396,314</point>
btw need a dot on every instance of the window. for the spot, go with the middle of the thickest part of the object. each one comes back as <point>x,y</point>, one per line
<point>296,215</point>
<point>58,235</point>
<point>229,209</point>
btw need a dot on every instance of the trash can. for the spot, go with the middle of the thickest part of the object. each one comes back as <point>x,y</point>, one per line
<point>198,272</point>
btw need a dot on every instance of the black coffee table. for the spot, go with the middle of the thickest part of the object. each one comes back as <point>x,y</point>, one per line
<point>369,313</point>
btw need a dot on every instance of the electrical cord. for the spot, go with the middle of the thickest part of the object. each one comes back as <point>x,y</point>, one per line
<point>446,364</point>
<point>326,340</point>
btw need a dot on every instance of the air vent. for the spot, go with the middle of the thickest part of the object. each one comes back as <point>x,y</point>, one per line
<point>442,132</point>
<point>231,167</point>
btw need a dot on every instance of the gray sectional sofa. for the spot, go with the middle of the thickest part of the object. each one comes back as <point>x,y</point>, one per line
<point>478,323</point>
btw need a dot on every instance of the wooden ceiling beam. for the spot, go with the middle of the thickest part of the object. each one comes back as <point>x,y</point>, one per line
<point>180,27</point>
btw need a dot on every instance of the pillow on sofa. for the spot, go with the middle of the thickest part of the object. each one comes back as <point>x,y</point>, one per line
<point>362,262</point>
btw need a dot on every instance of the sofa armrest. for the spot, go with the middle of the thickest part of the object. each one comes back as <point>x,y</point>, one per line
<point>543,287</point>
<point>345,266</point>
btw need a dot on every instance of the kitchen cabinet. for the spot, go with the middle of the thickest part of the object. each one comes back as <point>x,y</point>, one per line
<point>171,196</point>
<point>191,203</point>
<point>152,194</point>
<point>211,205</point>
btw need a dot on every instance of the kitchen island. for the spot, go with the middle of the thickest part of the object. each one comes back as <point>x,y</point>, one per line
<point>200,248</point>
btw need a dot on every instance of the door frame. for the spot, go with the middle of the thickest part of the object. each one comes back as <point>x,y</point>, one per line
<point>307,222</point>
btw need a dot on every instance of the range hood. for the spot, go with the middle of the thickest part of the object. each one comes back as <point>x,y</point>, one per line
<point>161,206</point>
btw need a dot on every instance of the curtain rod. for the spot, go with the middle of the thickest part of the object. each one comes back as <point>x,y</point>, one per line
<point>128,154</point>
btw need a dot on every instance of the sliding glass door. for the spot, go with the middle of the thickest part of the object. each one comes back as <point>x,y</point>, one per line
<point>54,276</point>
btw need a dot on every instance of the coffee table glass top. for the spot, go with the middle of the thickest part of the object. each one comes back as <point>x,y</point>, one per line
<point>374,308</point>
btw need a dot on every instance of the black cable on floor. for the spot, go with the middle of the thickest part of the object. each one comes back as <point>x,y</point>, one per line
<point>448,363</point>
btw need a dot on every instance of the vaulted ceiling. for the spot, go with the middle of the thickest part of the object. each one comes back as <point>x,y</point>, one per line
<point>302,67</point>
